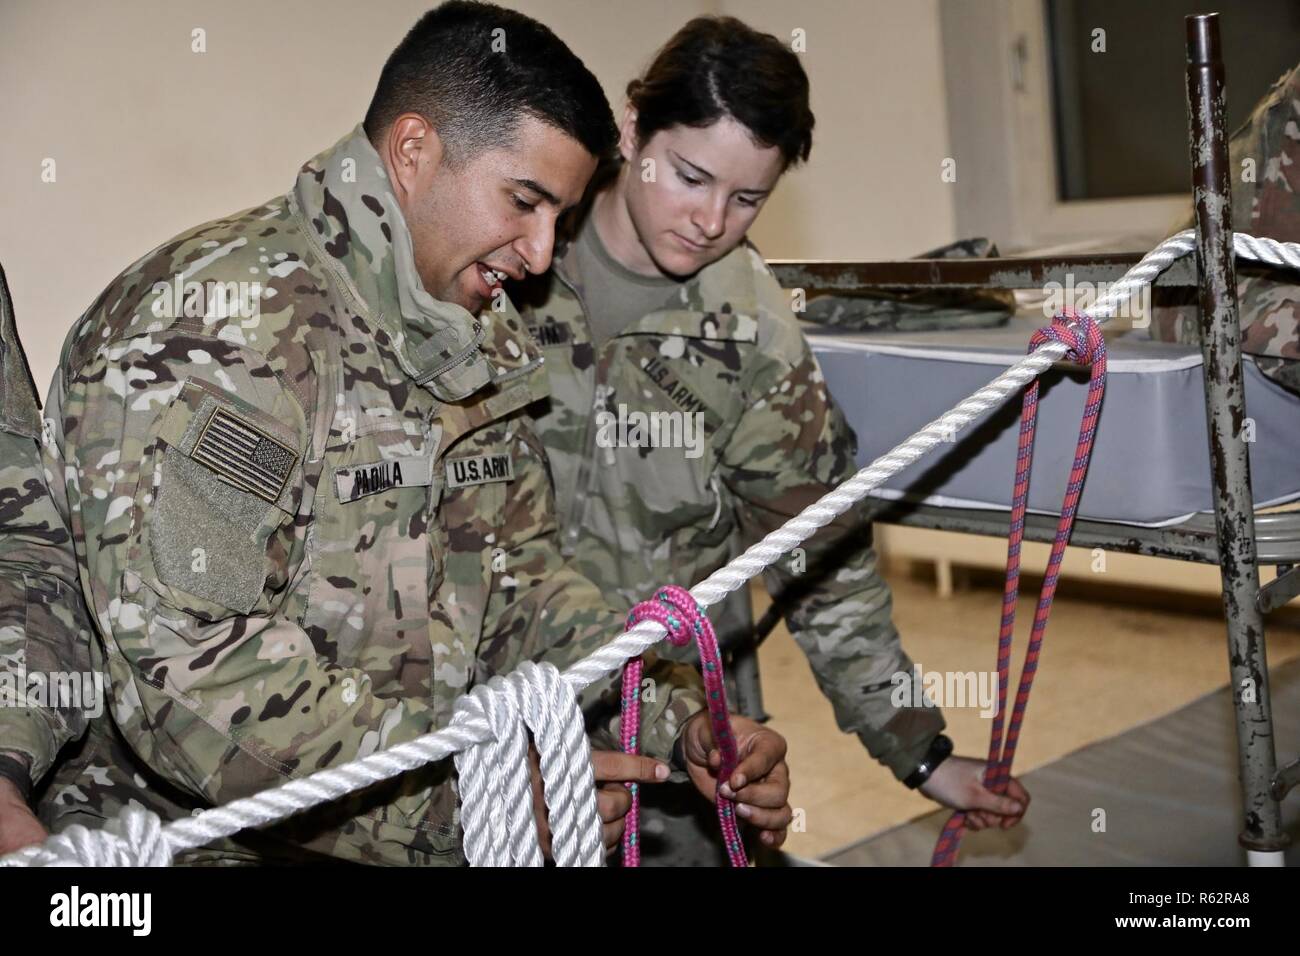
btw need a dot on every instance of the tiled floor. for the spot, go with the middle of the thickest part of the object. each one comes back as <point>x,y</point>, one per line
<point>1106,666</point>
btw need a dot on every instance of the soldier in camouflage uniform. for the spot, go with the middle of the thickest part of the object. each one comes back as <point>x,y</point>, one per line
<point>688,417</point>
<point>307,502</point>
<point>45,630</point>
<point>1265,164</point>
<point>43,624</point>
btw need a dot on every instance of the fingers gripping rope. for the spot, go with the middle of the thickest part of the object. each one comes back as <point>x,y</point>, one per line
<point>676,610</point>
<point>1085,345</point>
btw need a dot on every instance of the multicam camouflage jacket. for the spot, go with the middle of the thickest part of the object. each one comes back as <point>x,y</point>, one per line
<point>1265,164</point>
<point>44,631</point>
<point>310,512</point>
<point>691,434</point>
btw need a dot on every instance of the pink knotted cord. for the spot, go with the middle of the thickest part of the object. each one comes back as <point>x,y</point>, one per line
<point>1086,346</point>
<point>675,609</point>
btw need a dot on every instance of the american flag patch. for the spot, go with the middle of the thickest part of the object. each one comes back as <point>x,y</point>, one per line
<point>244,456</point>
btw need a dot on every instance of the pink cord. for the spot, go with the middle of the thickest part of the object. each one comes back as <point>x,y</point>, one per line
<point>1086,346</point>
<point>676,610</point>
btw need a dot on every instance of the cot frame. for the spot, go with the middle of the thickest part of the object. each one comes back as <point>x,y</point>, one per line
<point>1235,538</point>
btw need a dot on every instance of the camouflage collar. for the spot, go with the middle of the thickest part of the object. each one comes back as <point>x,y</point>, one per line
<point>19,404</point>
<point>718,302</point>
<point>353,219</point>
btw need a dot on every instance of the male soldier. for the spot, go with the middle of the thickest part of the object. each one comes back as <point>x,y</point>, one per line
<point>1265,164</point>
<point>43,626</point>
<point>306,500</point>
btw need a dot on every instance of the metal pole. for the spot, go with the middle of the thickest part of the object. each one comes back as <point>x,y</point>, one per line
<point>1225,409</point>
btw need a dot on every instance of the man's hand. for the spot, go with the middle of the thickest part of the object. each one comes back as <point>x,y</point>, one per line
<point>613,800</point>
<point>760,784</point>
<point>19,827</point>
<point>958,783</point>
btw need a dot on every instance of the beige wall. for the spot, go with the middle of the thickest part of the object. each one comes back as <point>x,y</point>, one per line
<point>150,138</point>
<point>872,189</point>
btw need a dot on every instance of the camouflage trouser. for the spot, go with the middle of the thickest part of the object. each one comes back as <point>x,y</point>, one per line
<point>101,776</point>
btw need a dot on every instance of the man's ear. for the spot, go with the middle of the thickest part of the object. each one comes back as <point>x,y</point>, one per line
<point>627,136</point>
<point>412,152</point>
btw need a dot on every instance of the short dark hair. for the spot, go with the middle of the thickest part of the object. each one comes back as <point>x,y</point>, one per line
<point>474,69</point>
<point>720,66</point>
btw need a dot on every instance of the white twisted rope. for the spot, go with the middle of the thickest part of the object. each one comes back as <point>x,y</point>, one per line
<point>133,838</point>
<point>495,789</point>
<point>136,837</point>
<point>567,778</point>
<point>1268,251</point>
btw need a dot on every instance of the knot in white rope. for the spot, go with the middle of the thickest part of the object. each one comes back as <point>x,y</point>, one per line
<point>495,785</point>
<point>133,838</point>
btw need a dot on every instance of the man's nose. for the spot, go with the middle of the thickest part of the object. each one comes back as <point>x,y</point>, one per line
<point>536,246</point>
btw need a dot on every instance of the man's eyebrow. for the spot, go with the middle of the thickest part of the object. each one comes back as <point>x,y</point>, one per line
<point>704,173</point>
<point>536,187</point>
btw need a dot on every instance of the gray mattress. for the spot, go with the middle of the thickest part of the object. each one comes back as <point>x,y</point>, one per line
<point>1150,463</point>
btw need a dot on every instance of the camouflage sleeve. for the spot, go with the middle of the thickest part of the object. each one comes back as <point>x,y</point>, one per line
<point>215,684</point>
<point>790,447</point>
<point>1264,157</point>
<point>44,632</point>
<point>1267,203</point>
<point>541,608</point>
<point>43,625</point>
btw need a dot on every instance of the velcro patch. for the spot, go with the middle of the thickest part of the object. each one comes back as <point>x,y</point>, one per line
<point>352,482</point>
<point>479,470</point>
<point>244,456</point>
<point>550,334</point>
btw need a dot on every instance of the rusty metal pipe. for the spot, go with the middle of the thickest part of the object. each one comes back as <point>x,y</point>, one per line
<point>1225,409</point>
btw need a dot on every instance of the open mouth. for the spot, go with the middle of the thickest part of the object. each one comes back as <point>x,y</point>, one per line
<point>489,279</point>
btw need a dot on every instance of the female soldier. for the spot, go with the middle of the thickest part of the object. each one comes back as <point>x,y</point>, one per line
<point>688,416</point>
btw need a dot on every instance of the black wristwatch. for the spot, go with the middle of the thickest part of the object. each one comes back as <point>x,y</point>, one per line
<point>940,750</point>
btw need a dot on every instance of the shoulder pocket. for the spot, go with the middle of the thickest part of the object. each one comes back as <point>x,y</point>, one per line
<point>227,479</point>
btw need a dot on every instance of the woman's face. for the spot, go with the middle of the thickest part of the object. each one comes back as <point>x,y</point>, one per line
<point>691,193</point>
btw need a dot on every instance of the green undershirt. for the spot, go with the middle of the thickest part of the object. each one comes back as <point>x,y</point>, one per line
<point>613,294</point>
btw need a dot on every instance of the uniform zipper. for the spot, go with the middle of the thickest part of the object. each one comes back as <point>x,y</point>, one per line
<point>586,473</point>
<point>455,360</point>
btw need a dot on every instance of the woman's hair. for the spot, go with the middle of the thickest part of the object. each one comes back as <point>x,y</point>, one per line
<point>716,67</point>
